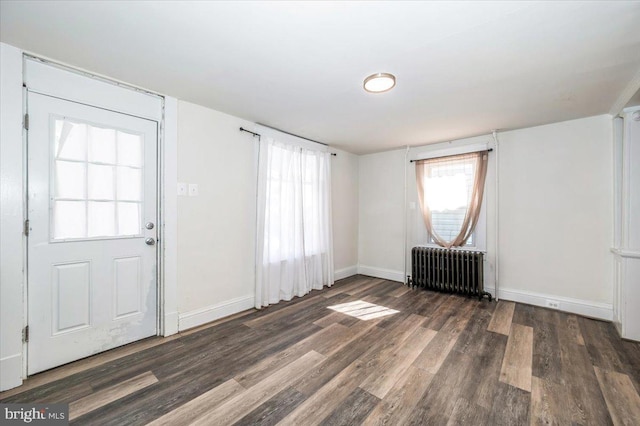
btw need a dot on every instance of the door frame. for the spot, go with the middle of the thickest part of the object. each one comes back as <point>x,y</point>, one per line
<point>16,265</point>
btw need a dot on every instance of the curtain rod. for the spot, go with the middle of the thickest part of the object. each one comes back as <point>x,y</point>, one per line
<point>455,155</point>
<point>242,129</point>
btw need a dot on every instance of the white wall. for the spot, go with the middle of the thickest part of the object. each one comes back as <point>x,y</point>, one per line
<point>11,217</point>
<point>344,200</point>
<point>556,223</point>
<point>555,215</point>
<point>216,229</point>
<point>381,223</point>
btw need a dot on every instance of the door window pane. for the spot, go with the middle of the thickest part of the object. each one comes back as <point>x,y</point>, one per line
<point>102,145</point>
<point>129,184</point>
<point>129,222</point>
<point>101,182</point>
<point>70,179</point>
<point>97,180</point>
<point>70,140</point>
<point>129,149</point>
<point>102,221</point>
<point>70,219</point>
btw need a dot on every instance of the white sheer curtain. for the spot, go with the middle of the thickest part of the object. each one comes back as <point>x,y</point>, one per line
<point>294,252</point>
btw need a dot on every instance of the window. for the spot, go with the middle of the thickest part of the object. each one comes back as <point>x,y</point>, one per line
<point>293,197</point>
<point>449,186</point>
<point>450,192</point>
<point>97,181</point>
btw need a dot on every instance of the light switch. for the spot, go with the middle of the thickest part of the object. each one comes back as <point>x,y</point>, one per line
<point>182,189</point>
<point>193,190</point>
<point>412,205</point>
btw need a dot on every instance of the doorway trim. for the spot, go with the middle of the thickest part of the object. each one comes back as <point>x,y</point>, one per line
<point>13,256</point>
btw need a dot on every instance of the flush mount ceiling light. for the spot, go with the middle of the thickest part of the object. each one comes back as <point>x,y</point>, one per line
<point>379,82</point>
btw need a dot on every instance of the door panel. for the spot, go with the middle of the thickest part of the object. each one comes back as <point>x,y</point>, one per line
<point>92,185</point>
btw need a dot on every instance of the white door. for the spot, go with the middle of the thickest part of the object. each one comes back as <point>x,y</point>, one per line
<point>92,210</point>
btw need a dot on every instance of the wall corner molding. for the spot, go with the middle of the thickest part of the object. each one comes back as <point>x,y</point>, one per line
<point>205,315</point>
<point>586,308</point>
<point>342,273</point>
<point>11,372</point>
<point>386,274</point>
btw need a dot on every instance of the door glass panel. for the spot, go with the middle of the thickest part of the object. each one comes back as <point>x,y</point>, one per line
<point>129,184</point>
<point>101,182</point>
<point>97,181</point>
<point>129,149</point>
<point>102,145</point>
<point>70,179</point>
<point>70,219</point>
<point>129,218</point>
<point>102,219</point>
<point>70,140</point>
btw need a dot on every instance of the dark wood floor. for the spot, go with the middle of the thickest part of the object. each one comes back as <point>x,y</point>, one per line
<point>441,359</point>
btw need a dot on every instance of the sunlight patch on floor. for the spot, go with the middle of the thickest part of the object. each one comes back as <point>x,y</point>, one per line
<point>363,310</point>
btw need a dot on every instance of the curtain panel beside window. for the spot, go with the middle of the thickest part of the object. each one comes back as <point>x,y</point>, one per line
<point>451,189</point>
<point>294,234</point>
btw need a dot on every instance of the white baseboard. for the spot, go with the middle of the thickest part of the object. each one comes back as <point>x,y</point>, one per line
<point>603,311</point>
<point>340,274</point>
<point>171,324</point>
<point>10,372</point>
<point>198,317</point>
<point>386,274</point>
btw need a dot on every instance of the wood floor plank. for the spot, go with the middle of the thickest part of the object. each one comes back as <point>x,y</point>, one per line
<point>237,407</point>
<point>511,406</point>
<point>502,317</point>
<point>549,402</point>
<point>546,363</point>
<point>400,291</point>
<point>435,353</point>
<point>380,382</point>
<point>574,329</point>
<point>106,396</point>
<point>195,408</point>
<point>321,339</point>
<point>85,364</point>
<point>402,399</point>
<point>621,397</point>
<point>586,404</point>
<point>353,410</point>
<point>467,413</point>
<point>516,364</point>
<point>274,409</point>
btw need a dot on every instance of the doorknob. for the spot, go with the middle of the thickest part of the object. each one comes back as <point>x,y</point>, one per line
<point>150,241</point>
<point>149,225</point>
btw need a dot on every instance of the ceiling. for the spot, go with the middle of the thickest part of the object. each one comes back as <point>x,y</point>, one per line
<point>462,68</point>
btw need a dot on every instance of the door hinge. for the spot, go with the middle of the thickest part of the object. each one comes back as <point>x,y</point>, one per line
<point>26,228</point>
<point>25,334</point>
<point>26,121</point>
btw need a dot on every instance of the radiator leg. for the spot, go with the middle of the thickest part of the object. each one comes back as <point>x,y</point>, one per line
<point>483,294</point>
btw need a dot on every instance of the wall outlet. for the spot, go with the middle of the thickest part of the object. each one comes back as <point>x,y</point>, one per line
<point>553,304</point>
<point>182,189</point>
<point>193,190</point>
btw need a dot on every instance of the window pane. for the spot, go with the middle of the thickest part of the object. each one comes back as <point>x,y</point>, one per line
<point>448,190</point>
<point>70,140</point>
<point>129,219</point>
<point>102,219</point>
<point>102,145</point>
<point>129,149</point>
<point>70,180</point>
<point>69,219</point>
<point>101,181</point>
<point>129,184</point>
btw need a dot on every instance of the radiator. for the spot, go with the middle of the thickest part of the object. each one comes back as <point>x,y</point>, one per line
<point>452,271</point>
